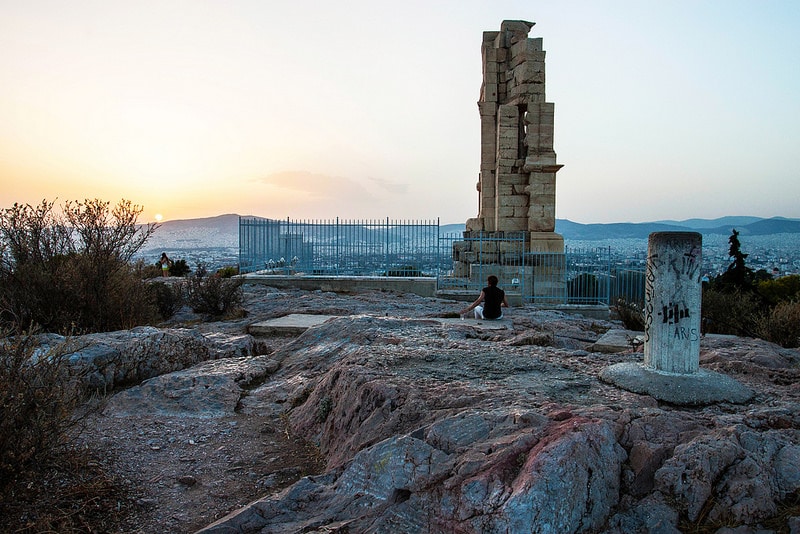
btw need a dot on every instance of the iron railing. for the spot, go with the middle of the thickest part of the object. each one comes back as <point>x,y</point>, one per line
<point>408,248</point>
<point>466,263</point>
<point>338,247</point>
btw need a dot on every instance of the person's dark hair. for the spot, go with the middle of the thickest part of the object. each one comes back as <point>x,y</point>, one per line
<point>492,280</point>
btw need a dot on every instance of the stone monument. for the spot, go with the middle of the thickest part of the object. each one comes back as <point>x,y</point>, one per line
<point>517,180</point>
<point>673,294</point>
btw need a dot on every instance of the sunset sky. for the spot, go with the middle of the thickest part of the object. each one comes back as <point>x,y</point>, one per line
<point>367,109</point>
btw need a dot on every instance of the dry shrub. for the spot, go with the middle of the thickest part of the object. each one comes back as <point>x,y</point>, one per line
<point>37,401</point>
<point>736,312</point>
<point>71,272</point>
<point>168,297</point>
<point>782,325</point>
<point>631,314</point>
<point>46,483</point>
<point>214,294</point>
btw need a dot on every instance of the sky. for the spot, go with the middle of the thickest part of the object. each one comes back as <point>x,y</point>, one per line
<point>366,109</point>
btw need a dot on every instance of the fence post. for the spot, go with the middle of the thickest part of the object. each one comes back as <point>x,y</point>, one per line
<point>338,259</point>
<point>608,276</point>
<point>386,250</point>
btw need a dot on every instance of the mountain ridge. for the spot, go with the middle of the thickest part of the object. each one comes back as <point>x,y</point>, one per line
<point>745,225</point>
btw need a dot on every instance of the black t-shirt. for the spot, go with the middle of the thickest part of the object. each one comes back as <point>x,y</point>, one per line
<point>492,299</point>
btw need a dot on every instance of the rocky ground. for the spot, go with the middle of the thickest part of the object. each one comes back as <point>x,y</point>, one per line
<point>411,425</point>
<point>187,467</point>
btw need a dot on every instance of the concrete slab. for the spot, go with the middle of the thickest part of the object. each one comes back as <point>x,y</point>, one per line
<point>297,323</point>
<point>292,324</point>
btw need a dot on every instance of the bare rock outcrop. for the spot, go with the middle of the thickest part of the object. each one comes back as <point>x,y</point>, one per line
<point>432,428</point>
<point>109,360</point>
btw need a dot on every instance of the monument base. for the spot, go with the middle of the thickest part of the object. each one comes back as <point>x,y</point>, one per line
<point>547,242</point>
<point>694,389</point>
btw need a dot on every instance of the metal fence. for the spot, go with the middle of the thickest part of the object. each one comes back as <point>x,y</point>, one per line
<point>405,248</point>
<point>628,285</point>
<point>465,263</point>
<point>579,276</point>
<point>338,247</point>
<point>585,276</point>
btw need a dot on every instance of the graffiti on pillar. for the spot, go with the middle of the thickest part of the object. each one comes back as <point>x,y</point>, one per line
<point>691,264</point>
<point>650,278</point>
<point>688,265</point>
<point>673,314</point>
<point>686,334</point>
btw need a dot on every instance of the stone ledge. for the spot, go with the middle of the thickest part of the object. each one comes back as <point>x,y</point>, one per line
<point>297,323</point>
<point>422,286</point>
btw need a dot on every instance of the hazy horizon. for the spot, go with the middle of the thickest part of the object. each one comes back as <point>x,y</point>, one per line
<point>663,111</point>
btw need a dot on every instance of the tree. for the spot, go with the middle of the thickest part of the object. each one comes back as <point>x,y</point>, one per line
<point>738,276</point>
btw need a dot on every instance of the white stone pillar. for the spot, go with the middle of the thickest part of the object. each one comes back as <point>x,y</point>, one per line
<point>673,295</point>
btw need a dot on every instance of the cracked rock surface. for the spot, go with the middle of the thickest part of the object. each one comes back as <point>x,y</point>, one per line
<point>383,420</point>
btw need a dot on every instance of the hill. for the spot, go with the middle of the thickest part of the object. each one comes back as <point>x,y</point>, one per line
<point>223,230</point>
<point>723,225</point>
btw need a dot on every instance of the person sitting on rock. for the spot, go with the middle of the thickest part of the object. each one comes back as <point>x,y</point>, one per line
<point>490,302</point>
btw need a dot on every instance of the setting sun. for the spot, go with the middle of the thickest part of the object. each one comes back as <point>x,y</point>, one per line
<point>158,217</point>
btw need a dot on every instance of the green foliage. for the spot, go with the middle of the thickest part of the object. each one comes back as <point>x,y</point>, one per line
<point>324,409</point>
<point>72,272</point>
<point>214,294</point>
<point>179,268</point>
<point>738,277</point>
<point>782,289</point>
<point>736,312</point>
<point>228,272</point>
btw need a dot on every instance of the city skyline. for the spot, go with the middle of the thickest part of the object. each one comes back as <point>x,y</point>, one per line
<point>663,111</point>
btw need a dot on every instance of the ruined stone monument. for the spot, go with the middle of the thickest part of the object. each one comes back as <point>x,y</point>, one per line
<point>517,180</point>
<point>517,183</point>
<point>673,294</point>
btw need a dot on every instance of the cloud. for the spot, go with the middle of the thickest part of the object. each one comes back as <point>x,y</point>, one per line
<point>321,186</point>
<point>310,194</point>
<point>391,187</point>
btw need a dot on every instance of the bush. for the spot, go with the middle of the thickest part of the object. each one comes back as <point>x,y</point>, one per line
<point>782,325</point>
<point>631,314</point>
<point>72,272</point>
<point>37,400</point>
<point>214,294</point>
<point>148,271</point>
<point>228,272</point>
<point>786,288</point>
<point>179,268</point>
<point>47,484</point>
<point>169,298</point>
<point>736,312</point>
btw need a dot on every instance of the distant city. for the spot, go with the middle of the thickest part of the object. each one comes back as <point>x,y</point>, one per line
<point>214,241</point>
